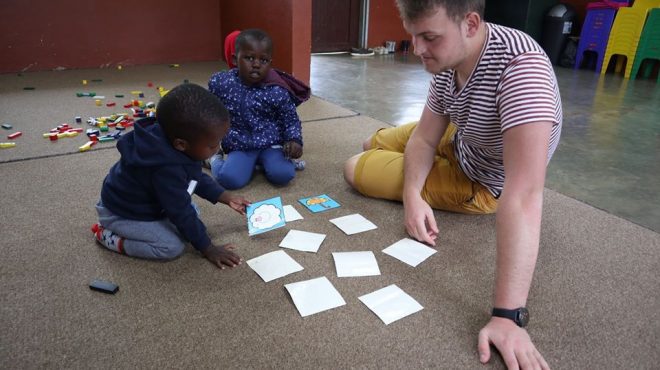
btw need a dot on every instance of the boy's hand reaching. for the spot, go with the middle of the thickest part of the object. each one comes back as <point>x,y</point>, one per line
<point>236,202</point>
<point>222,256</point>
<point>292,150</point>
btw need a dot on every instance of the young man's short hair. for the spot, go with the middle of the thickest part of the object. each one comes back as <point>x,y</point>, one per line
<point>413,10</point>
<point>253,34</point>
<point>188,111</point>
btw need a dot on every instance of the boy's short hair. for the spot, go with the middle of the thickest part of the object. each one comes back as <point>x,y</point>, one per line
<point>413,10</point>
<point>253,34</point>
<point>188,111</point>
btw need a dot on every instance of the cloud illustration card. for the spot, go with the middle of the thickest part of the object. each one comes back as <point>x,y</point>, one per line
<point>265,215</point>
<point>319,203</point>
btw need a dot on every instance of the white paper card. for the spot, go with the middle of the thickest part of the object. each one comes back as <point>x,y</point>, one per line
<point>274,265</point>
<point>356,264</point>
<point>315,295</point>
<point>302,241</point>
<point>409,251</point>
<point>290,214</point>
<point>391,303</point>
<point>353,224</point>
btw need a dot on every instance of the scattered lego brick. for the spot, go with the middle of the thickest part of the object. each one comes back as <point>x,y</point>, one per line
<point>111,104</point>
<point>78,119</point>
<point>84,82</point>
<point>87,94</point>
<point>174,66</point>
<point>88,145</point>
<point>7,126</point>
<point>14,135</point>
<point>7,145</point>
<point>97,80</point>
<point>119,95</point>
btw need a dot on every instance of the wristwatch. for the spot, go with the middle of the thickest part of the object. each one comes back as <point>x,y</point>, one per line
<point>520,315</point>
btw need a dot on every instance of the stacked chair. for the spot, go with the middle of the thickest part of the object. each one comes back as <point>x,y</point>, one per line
<point>596,31</point>
<point>625,35</point>
<point>649,44</point>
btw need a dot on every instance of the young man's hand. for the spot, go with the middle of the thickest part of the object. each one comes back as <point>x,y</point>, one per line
<point>292,150</point>
<point>420,221</point>
<point>236,202</point>
<point>514,344</point>
<point>222,256</point>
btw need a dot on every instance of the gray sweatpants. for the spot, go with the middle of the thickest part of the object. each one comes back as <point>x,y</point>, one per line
<point>144,239</point>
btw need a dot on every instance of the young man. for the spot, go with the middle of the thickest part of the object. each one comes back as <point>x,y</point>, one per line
<point>491,123</point>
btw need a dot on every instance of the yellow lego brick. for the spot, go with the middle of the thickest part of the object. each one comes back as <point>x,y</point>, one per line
<point>85,147</point>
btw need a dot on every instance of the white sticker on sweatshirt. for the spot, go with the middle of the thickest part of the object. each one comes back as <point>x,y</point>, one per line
<point>192,186</point>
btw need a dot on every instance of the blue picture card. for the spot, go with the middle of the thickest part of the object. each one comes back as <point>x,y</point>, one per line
<point>265,215</point>
<point>319,203</point>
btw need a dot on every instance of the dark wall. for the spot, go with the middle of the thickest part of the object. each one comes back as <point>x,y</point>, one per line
<point>524,15</point>
<point>44,35</point>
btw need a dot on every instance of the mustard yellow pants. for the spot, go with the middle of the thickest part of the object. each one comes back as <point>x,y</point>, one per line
<point>379,174</point>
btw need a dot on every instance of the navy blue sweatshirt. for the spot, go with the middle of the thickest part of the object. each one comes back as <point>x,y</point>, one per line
<point>150,182</point>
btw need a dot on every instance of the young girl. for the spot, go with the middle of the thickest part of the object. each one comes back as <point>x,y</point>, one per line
<point>265,128</point>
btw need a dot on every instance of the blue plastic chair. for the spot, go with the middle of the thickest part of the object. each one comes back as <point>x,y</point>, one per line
<point>594,35</point>
<point>596,31</point>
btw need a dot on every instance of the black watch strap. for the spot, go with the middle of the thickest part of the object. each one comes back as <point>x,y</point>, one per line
<point>519,315</point>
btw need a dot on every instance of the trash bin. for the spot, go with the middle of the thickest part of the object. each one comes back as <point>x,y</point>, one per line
<point>557,26</point>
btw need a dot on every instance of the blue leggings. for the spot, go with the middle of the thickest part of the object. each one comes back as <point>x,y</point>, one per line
<point>238,167</point>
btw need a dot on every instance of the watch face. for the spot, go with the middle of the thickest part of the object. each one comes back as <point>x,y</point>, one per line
<point>523,317</point>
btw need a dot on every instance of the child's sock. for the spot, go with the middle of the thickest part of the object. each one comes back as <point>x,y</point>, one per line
<point>108,239</point>
<point>299,164</point>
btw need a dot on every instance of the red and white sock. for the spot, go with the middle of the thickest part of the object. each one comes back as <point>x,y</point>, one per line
<point>108,239</point>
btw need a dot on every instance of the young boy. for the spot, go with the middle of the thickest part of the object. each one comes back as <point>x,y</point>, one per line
<point>265,128</point>
<point>146,209</point>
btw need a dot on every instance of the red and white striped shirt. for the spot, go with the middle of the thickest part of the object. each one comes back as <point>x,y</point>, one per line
<point>512,84</point>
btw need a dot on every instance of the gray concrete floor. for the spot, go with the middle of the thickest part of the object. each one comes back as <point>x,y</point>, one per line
<point>609,154</point>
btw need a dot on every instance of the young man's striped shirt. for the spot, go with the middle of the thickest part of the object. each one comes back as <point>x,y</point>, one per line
<point>512,84</point>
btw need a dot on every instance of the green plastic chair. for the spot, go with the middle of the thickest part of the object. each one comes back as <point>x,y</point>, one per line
<point>649,44</point>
